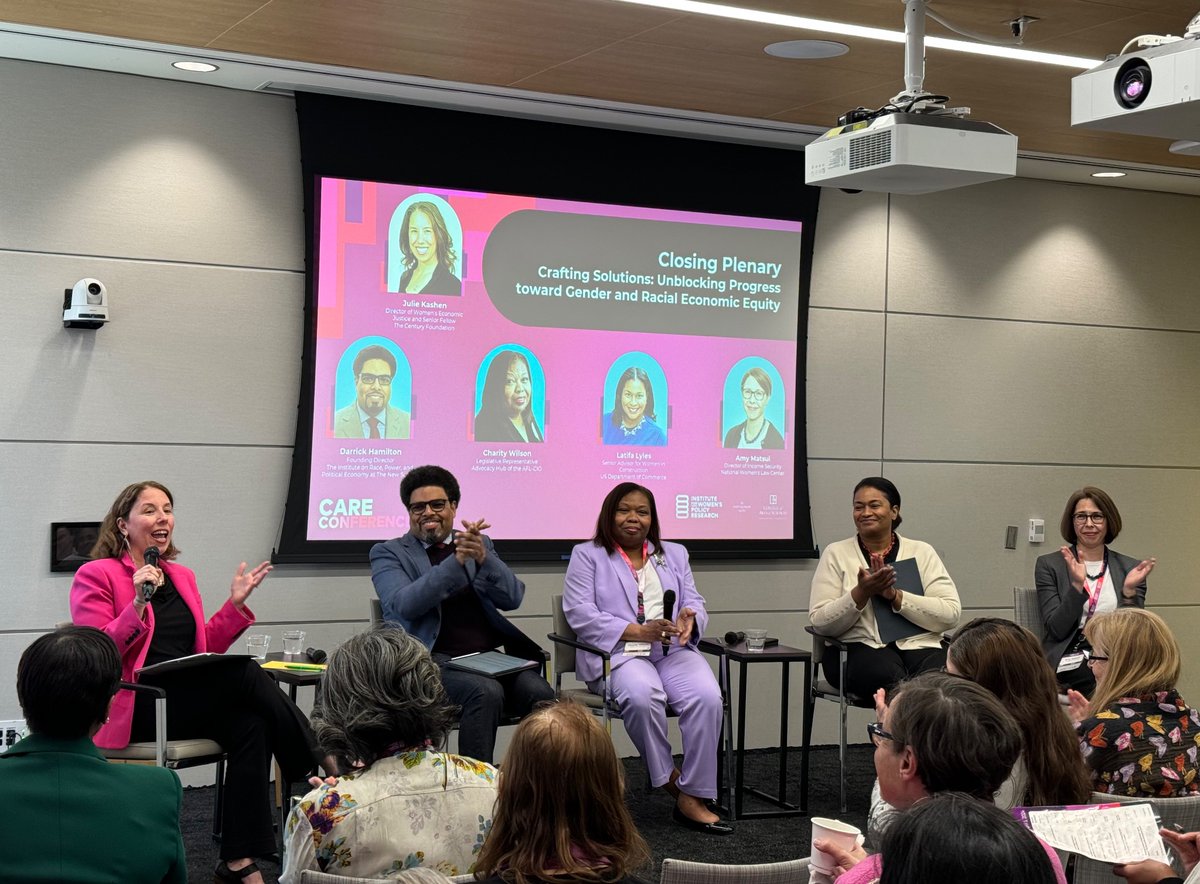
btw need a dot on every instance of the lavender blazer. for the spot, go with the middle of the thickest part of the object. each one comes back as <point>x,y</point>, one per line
<point>600,599</point>
<point>102,596</point>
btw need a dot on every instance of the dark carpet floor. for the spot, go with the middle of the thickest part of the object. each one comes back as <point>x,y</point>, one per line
<point>754,841</point>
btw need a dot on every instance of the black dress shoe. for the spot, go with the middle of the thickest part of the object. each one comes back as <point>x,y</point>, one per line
<point>718,828</point>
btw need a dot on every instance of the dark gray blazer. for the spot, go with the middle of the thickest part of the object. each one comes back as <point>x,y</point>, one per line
<point>1062,606</point>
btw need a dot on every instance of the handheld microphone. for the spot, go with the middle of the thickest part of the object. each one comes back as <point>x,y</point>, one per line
<point>151,558</point>
<point>733,638</point>
<point>315,654</point>
<point>668,614</point>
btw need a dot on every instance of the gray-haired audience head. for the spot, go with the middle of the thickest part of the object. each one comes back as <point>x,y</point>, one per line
<point>959,736</point>
<point>66,680</point>
<point>956,837</point>
<point>381,692</point>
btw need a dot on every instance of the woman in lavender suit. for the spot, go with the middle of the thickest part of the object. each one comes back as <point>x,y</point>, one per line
<point>613,598</point>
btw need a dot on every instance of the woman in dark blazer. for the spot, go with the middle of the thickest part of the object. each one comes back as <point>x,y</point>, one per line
<point>506,410</point>
<point>1082,579</point>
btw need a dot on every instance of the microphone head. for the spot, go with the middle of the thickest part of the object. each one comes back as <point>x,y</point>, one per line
<point>733,638</point>
<point>150,556</point>
<point>316,655</point>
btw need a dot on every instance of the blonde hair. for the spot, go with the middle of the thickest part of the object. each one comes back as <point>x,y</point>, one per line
<point>1143,655</point>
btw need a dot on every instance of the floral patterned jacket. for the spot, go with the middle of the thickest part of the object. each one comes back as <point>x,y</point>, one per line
<point>1143,746</point>
<point>417,808</point>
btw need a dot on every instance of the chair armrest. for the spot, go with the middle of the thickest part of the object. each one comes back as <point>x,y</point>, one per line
<point>143,689</point>
<point>832,642</point>
<point>578,645</point>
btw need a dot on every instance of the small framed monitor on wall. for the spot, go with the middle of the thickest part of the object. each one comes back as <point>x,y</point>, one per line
<point>71,544</point>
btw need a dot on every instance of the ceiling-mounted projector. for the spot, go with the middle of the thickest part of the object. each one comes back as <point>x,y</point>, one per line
<point>914,144</point>
<point>910,153</point>
<point>1153,91</point>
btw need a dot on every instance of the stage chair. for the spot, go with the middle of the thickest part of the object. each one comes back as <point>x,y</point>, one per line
<point>173,754</point>
<point>820,689</point>
<point>681,871</point>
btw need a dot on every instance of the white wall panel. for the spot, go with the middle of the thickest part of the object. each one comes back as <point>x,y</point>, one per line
<point>1049,252</point>
<point>846,351</point>
<point>93,163</point>
<point>192,355</point>
<point>979,390</point>
<point>850,251</point>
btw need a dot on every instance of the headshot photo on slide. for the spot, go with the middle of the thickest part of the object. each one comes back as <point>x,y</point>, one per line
<point>424,247</point>
<point>510,396</point>
<point>634,402</point>
<point>753,405</point>
<point>372,391</point>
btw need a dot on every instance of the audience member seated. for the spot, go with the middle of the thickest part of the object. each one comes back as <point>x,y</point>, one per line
<point>75,817</point>
<point>561,816</point>
<point>1186,847</point>
<point>382,713</point>
<point>1136,733</point>
<point>855,578</point>
<point>940,733</point>
<point>1007,659</point>
<point>614,598</point>
<point>957,838</point>
<point>1083,579</point>
<point>153,610</point>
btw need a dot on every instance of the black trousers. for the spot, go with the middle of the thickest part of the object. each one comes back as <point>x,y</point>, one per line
<point>483,699</point>
<point>869,669</point>
<point>241,707</point>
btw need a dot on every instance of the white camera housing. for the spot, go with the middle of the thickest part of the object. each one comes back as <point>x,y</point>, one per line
<point>85,305</point>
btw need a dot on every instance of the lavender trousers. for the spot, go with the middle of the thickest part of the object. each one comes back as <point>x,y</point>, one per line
<point>643,686</point>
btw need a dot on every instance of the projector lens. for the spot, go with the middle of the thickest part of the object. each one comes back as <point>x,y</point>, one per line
<point>1132,83</point>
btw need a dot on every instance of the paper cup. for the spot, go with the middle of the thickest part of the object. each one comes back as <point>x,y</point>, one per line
<point>842,834</point>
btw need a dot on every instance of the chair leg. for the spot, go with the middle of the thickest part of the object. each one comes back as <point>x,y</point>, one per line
<point>219,801</point>
<point>810,703</point>
<point>842,728</point>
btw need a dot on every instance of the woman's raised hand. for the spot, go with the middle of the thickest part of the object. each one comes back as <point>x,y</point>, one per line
<point>1075,568</point>
<point>245,582</point>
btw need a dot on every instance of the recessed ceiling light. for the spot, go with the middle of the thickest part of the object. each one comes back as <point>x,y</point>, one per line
<point>724,10</point>
<point>1108,174</point>
<point>807,49</point>
<point>197,67</point>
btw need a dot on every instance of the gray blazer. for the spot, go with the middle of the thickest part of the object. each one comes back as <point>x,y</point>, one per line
<point>1062,606</point>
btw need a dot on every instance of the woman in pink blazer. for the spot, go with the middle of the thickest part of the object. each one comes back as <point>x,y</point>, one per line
<point>613,597</point>
<point>154,613</point>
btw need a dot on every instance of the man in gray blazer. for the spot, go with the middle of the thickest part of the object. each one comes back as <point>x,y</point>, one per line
<point>371,415</point>
<point>447,588</point>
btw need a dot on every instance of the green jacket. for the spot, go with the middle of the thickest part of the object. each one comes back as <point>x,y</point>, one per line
<point>78,818</point>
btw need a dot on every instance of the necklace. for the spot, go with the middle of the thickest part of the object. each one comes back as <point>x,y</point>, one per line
<point>762,430</point>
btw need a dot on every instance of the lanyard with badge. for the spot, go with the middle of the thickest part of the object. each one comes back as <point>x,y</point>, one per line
<point>1077,653</point>
<point>638,649</point>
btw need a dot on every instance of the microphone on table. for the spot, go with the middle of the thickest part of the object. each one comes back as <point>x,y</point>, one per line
<point>151,558</point>
<point>315,654</point>
<point>734,638</point>
<point>668,614</point>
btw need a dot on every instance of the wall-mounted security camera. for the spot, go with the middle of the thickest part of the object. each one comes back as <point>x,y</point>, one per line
<point>85,305</point>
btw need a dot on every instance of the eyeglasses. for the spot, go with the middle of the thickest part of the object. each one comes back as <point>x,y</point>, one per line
<point>436,505</point>
<point>1094,518</point>
<point>384,380</point>
<point>753,395</point>
<point>875,733</point>
<point>1096,658</point>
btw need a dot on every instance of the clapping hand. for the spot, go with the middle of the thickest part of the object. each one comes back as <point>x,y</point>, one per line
<point>1137,575</point>
<point>1076,570</point>
<point>1078,706</point>
<point>468,543</point>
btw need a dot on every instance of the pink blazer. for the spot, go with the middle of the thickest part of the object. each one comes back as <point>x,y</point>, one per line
<point>102,596</point>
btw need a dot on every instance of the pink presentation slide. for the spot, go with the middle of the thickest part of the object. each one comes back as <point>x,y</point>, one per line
<point>544,351</point>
